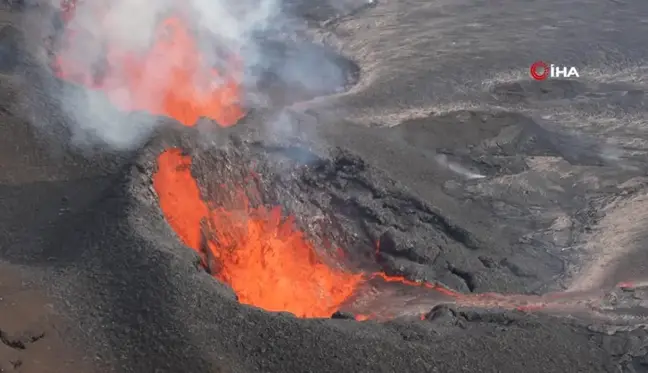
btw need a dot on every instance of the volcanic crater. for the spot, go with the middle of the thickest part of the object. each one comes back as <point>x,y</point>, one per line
<point>292,231</point>
<point>318,235</point>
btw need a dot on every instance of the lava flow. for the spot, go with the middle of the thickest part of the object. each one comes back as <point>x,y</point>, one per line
<point>169,78</point>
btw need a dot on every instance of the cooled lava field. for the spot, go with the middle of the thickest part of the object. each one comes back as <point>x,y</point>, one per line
<point>323,186</point>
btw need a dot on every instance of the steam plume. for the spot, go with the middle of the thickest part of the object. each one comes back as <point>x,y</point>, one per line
<point>222,28</point>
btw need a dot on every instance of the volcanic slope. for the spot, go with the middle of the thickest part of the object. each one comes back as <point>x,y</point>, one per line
<point>141,299</point>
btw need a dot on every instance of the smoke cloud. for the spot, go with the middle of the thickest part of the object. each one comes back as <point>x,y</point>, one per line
<point>261,36</point>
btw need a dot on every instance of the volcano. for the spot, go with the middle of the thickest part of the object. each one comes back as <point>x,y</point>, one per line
<point>414,205</point>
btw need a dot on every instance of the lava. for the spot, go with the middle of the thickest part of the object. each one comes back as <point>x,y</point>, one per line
<point>179,197</point>
<point>262,255</point>
<point>169,78</point>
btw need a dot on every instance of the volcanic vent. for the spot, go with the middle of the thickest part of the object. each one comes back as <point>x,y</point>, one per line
<point>169,78</point>
<point>180,68</point>
<point>261,223</point>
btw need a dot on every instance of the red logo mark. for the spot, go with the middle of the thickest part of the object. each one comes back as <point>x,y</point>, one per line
<point>539,70</point>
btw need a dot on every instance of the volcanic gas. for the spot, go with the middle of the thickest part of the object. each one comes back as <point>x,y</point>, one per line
<point>170,78</point>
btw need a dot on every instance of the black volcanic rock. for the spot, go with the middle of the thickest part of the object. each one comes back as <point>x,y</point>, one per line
<point>10,51</point>
<point>343,315</point>
<point>443,314</point>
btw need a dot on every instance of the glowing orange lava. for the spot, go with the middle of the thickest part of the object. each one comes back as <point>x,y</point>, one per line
<point>179,197</point>
<point>170,78</point>
<point>261,254</point>
<point>264,258</point>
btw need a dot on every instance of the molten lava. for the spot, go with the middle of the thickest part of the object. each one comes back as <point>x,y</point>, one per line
<point>169,78</point>
<point>179,197</point>
<point>264,258</point>
<point>262,255</point>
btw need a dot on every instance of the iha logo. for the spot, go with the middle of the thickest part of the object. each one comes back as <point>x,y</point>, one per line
<point>540,71</point>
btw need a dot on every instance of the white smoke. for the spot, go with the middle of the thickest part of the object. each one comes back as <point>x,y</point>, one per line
<point>222,26</point>
<point>455,167</point>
